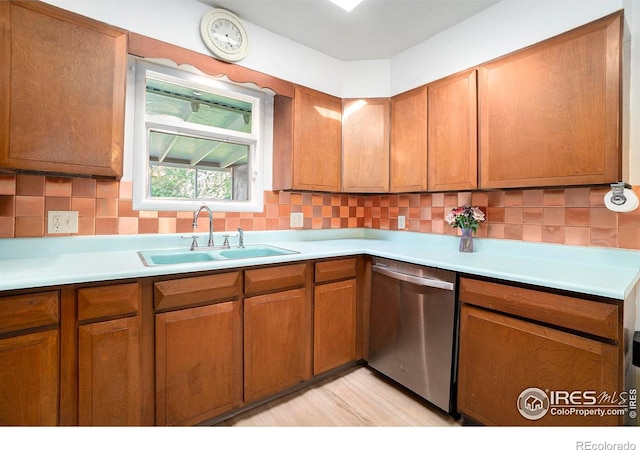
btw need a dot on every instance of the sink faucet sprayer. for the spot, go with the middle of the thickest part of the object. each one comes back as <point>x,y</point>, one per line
<point>195,222</point>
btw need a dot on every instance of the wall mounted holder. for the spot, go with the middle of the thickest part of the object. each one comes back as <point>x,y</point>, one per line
<point>621,198</point>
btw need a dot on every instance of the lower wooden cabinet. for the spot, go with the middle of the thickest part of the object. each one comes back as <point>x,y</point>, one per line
<point>109,390</point>
<point>29,358</point>
<point>514,371</point>
<point>109,359</point>
<point>198,363</point>
<point>334,314</point>
<point>29,379</point>
<point>277,343</point>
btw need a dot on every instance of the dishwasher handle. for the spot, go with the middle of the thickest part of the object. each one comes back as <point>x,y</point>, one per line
<point>429,282</point>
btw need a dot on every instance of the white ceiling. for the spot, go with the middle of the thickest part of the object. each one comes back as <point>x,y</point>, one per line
<point>375,29</point>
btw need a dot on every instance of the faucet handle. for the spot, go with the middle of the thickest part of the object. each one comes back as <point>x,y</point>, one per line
<point>226,240</point>
<point>194,241</point>
<point>240,238</point>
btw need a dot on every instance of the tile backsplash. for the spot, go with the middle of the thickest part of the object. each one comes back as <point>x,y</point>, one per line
<point>574,216</point>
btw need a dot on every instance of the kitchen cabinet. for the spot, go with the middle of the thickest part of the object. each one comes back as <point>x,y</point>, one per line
<point>365,145</point>
<point>198,348</point>
<point>307,141</point>
<point>513,339</point>
<point>277,329</point>
<point>64,91</point>
<point>452,133</point>
<point>29,359</point>
<point>550,114</point>
<point>334,314</point>
<point>408,148</point>
<point>109,355</point>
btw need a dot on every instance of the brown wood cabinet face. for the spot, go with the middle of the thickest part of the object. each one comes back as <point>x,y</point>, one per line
<point>586,316</point>
<point>29,374</point>
<point>336,269</point>
<point>25,311</point>
<point>194,291</point>
<point>307,141</point>
<point>550,114</point>
<point>109,373</point>
<point>277,342</point>
<point>408,152</point>
<point>108,301</point>
<point>452,133</point>
<point>277,278</point>
<point>334,325</point>
<point>66,92</point>
<point>198,363</point>
<point>365,145</point>
<point>501,356</point>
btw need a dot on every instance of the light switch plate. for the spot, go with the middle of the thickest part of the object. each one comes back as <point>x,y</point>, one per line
<point>296,220</point>
<point>401,223</point>
<point>62,222</point>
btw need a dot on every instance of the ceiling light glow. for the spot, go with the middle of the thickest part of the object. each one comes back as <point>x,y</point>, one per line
<point>347,5</point>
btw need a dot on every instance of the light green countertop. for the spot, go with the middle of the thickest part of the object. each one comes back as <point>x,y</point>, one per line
<point>53,261</point>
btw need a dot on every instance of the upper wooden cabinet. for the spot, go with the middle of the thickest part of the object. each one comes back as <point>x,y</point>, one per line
<point>408,152</point>
<point>307,141</point>
<point>65,91</point>
<point>452,133</point>
<point>365,145</point>
<point>550,114</point>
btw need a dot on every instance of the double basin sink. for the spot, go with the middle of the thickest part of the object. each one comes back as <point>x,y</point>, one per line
<point>182,256</point>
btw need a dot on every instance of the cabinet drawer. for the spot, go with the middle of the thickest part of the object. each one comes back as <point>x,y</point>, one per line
<point>596,318</point>
<point>182,292</point>
<point>21,312</point>
<point>338,269</point>
<point>275,278</point>
<point>108,301</point>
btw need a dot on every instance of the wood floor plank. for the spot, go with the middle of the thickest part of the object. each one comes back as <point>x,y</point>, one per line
<point>357,398</point>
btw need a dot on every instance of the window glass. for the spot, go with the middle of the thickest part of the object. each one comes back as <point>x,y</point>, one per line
<point>197,141</point>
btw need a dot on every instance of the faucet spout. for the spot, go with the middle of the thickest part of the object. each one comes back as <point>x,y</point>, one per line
<point>195,222</point>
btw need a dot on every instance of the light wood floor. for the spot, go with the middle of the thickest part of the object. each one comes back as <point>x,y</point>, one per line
<point>356,398</point>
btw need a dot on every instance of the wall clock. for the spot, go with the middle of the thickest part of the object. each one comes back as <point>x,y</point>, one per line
<point>223,34</point>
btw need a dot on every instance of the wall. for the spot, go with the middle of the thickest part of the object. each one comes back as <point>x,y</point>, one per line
<point>573,216</point>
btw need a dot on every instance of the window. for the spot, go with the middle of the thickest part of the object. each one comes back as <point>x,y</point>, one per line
<point>197,139</point>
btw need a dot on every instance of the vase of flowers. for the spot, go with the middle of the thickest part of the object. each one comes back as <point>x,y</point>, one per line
<point>468,219</point>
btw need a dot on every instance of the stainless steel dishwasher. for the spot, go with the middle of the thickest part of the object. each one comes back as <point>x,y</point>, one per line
<point>411,331</point>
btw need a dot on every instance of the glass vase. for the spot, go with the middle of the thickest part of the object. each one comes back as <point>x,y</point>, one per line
<point>466,240</point>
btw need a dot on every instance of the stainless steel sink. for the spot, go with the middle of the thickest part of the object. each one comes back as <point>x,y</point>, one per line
<point>183,256</point>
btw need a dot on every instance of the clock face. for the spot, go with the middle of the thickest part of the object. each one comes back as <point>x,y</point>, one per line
<point>226,35</point>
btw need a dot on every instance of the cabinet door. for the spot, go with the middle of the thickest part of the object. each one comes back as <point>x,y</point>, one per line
<point>365,145</point>
<point>67,92</point>
<point>334,325</point>
<point>317,125</point>
<point>453,137</point>
<point>550,114</point>
<point>198,363</point>
<point>500,357</point>
<point>109,373</point>
<point>277,342</point>
<point>408,153</point>
<point>29,375</point>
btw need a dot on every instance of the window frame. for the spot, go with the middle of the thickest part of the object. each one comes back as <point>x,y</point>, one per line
<point>257,140</point>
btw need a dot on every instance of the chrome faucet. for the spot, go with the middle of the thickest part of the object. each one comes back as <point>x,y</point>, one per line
<point>195,222</point>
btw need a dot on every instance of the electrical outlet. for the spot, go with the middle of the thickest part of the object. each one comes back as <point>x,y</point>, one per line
<point>401,223</point>
<point>62,222</point>
<point>296,220</point>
